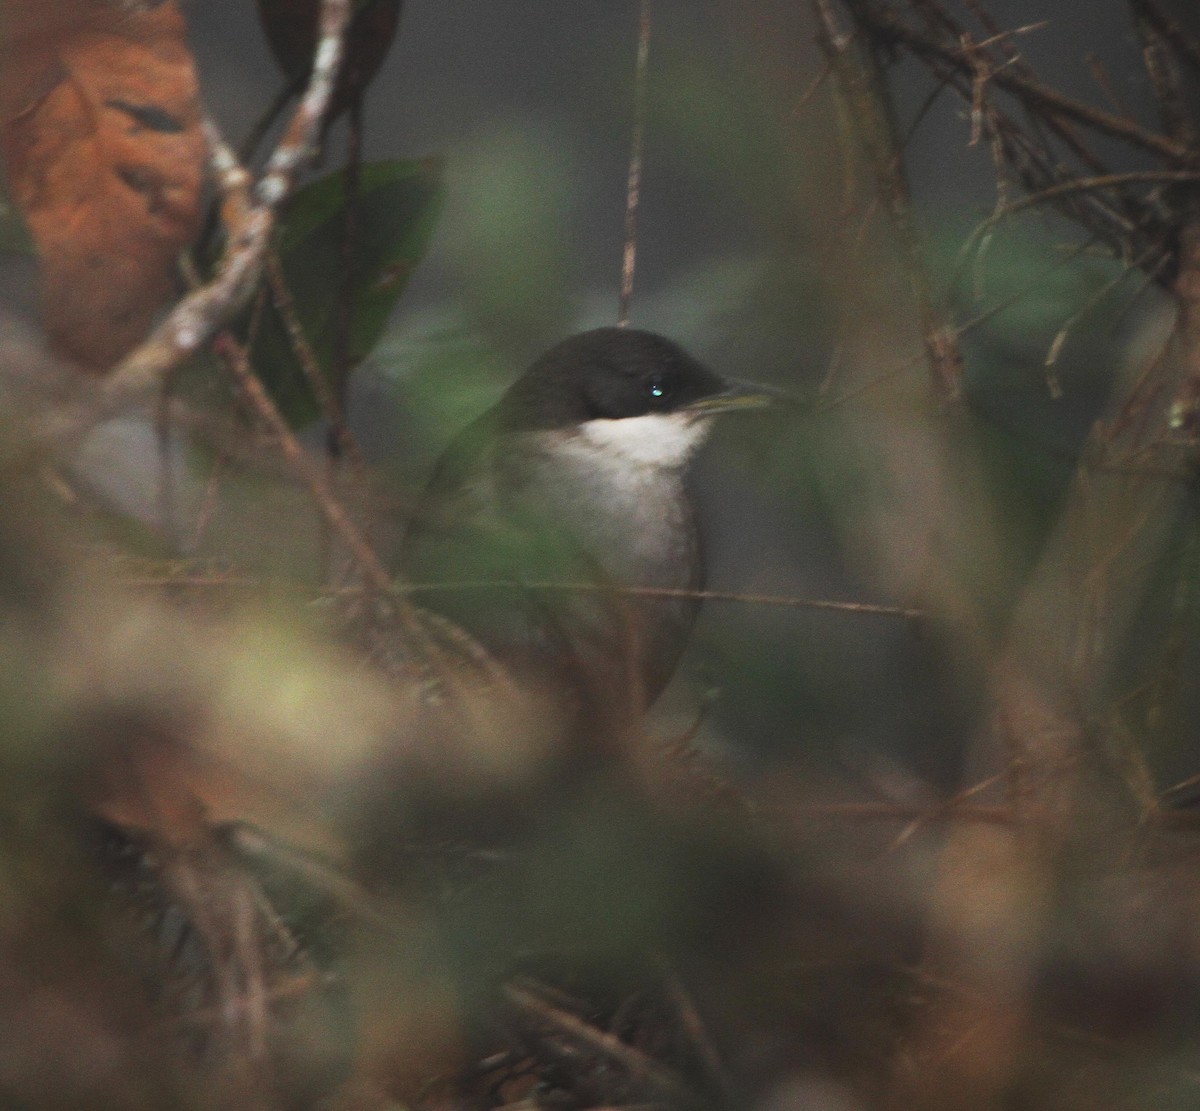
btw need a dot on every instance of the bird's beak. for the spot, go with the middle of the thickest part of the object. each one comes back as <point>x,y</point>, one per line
<point>739,395</point>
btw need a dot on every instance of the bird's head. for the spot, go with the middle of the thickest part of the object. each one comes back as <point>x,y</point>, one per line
<point>630,392</point>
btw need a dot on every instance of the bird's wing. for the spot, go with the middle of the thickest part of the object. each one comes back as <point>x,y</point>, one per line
<point>482,550</point>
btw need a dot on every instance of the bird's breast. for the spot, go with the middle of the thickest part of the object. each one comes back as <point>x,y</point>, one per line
<point>632,517</point>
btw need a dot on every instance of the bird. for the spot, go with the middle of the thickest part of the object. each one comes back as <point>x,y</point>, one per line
<point>547,516</point>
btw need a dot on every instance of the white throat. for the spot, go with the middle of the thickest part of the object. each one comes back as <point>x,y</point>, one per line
<point>655,440</point>
<point>617,485</point>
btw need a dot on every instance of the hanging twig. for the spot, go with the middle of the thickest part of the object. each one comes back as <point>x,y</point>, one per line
<point>281,295</point>
<point>339,370</point>
<point>1050,362</point>
<point>633,187</point>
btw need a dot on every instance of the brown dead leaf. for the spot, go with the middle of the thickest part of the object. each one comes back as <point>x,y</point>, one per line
<point>105,158</point>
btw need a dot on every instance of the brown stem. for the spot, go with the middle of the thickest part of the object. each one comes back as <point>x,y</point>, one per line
<point>1027,88</point>
<point>1163,71</point>
<point>783,600</point>
<point>1185,45</point>
<point>643,1070</point>
<point>281,296</point>
<point>343,330</point>
<point>633,187</point>
<point>235,358</point>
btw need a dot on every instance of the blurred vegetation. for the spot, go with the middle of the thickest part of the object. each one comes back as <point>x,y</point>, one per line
<point>926,844</point>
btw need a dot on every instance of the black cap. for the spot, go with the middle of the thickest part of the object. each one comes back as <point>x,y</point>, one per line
<point>610,374</point>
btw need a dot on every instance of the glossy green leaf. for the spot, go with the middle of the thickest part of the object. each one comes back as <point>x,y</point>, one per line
<point>396,209</point>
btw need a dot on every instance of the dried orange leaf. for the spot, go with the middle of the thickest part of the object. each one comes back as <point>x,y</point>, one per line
<point>105,157</point>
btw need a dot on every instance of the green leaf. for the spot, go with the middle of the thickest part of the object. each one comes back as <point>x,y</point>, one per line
<point>397,206</point>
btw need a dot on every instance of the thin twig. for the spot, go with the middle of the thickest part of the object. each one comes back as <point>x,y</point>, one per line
<point>786,601</point>
<point>266,121</point>
<point>1029,89</point>
<point>1050,362</point>
<point>1090,184</point>
<point>168,500</point>
<point>640,1068</point>
<point>633,186</point>
<point>1100,76</point>
<point>977,321</point>
<point>1162,67</point>
<point>693,1026</point>
<point>425,634</point>
<point>1065,131</point>
<point>306,356</point>
<point>951,805</point>
<point>1038,167</point>
<point>208,506</point>
<point>904,812</point>
<point>1187,46</point>
<point>1150,256</point>
<point>343,332</point>
<point>235,358</point>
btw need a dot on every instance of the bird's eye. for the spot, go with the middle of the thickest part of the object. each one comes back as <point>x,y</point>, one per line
<point>659,387</point>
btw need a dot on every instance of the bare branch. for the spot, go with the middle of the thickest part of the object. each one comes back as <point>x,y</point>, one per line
<point>1187,46</point>
<point>1158,54</point>
<point>235,358</point>
<point>785,601</point>
<point>331,406</point>
<point>642,1069</point>
<point>1027,88</point>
